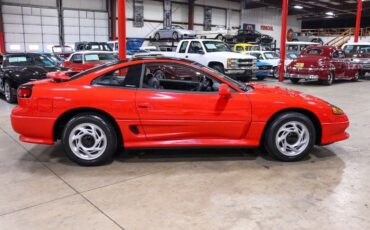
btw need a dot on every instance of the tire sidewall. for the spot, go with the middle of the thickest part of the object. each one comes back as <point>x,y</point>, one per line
<point>12,98</point>
<point>218,68</point>
<point>107,128</point>
<point>274,127</point>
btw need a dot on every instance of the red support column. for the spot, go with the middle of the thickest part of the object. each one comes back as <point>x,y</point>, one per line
<point>358,19</point>
<point>284,17</point>
<point>2,40</point>
<point>113,19</point>
<point>122,29</point>
<point>191,15</point>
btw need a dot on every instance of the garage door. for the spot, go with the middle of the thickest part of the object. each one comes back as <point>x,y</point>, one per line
<point>30,29</point>
<point>81,25</point>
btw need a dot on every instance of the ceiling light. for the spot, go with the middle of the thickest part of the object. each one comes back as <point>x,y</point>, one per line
<point>298,7</point>
<point>330,13</point>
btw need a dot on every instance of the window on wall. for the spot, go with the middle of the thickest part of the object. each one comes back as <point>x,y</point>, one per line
<point>168,76</point>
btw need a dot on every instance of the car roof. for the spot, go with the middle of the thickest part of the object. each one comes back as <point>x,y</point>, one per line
<point>302,43</point>
<point>93,52</point>
<point>161,58</point>
<point>22,54</point>
<point>244,44</point>
<point>203,40</point>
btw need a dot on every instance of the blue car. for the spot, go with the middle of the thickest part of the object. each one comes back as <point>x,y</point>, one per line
<point>57,60</point>
<point>264,70</point>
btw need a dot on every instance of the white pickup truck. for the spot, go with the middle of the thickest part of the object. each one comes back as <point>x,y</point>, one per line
<point>217,55</point>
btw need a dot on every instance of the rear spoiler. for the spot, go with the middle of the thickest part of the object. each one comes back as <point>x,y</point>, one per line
<point>61,76</point>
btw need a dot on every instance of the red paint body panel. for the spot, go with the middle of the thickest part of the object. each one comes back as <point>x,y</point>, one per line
<point>169,118</point>
<point>323,63</point>
<point>78,67</point>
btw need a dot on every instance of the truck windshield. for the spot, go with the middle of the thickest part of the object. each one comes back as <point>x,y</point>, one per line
<point>215,46</point>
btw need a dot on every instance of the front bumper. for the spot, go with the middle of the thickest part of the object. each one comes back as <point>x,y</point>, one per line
<point>250,72</point>
<point>334,132</point>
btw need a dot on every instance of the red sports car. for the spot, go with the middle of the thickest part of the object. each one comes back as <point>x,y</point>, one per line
<point>84,60</point>
<point>322,63</point>
<point>124,104</point>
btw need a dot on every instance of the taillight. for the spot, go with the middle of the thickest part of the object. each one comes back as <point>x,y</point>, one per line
<point>25,91</point>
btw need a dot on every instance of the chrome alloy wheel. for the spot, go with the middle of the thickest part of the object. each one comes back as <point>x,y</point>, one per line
<point>292,138</point>
<point>87,141</point>
<point>7,91</point>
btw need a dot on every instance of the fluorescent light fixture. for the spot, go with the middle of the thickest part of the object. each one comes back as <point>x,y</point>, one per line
<point>330,13</point>
<point>33,47</point>
<point>299,7</point>
<point>15,47</point>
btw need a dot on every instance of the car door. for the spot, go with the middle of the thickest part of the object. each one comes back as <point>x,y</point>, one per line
<point>182,50</point>
<point>177,110</point>
<point>195,52</point>
<point>339,64</point>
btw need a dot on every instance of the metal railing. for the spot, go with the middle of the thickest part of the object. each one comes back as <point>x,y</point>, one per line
<point>336,31</point>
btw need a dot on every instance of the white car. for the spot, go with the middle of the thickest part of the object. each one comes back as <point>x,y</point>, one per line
<point>268,56</point>
<point>218,32</point>
<point>217,55</point>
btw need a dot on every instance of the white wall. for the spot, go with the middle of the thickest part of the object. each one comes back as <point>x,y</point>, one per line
<point>270,17</point>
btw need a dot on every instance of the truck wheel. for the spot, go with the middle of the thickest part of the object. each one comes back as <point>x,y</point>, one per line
<point>290,136</point>
<point>10,97</point>
<point>89,139</point>
<point>218,68</point>
<point>275,72</point>
<point>330,79</point>
<point>157,37</point>
<point>294,80</point>
<point>175,36</point>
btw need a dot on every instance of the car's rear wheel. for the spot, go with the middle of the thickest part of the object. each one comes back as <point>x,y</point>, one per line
<point>290,136</point>
<point>157,37</point>
<point>220,37</point>
<point>89,139</point>
<point>356,77</point>
<point>275,72</point>
<point>330,79</point>
<point>294,80</point>
<point>9,94</point>
<point>175,36</point>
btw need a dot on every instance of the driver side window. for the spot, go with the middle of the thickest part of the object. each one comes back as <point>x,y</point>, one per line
<point>195,47</point>
<point>168,76</point>
<point>77,58</point>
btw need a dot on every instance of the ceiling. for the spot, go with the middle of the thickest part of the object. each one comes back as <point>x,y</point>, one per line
<point>314,10</point>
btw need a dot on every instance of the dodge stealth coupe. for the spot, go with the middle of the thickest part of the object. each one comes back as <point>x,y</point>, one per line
<point>124,105</point>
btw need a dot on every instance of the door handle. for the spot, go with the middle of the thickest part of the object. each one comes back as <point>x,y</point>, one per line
<point>144,106</point>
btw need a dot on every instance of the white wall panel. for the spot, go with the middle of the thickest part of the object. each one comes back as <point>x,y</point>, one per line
<point>218,17</point>
<point>32,20</point>
<point>33,29</point>
<point>198,14</point>
<point>12,18</point>
<point>32,2</point>
<point>32,37</point>
<point>13,28</point>
<point>85,4</point>
<point>180,13</point>
<point>16,38</point>
<point>11,9</point>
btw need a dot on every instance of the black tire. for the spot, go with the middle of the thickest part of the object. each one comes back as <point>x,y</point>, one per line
<point>330,79</point>
<point>274,129</point>
<point>356,77</point>
<point>218,67</point>
<point>157,37</point>
<point>106,128</point>
<point>175,36</point>
<point>9,93</point>
<point>294,80</point>
<point>275,72</point>
<point>220,37</point>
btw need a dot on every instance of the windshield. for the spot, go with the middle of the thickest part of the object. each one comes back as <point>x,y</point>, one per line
<point>313,52</point>
<point>44,60</point>
<point>99,57</point>
<point>215,46</point>
<point>271,55</point>
<point>292,56</point>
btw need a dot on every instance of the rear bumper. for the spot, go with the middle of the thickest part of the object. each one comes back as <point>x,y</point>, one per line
<point>334,132</point>
<point>37,130</point>
<point>302,76</point>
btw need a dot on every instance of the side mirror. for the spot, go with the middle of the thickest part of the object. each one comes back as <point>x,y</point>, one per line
<point>224,91</point>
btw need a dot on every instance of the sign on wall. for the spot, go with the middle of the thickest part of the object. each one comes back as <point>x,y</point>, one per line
<point>138,13</point>
<point>249,27</point>
<point>266,27</point>
<point>207,18</point>
<point>167,13</point>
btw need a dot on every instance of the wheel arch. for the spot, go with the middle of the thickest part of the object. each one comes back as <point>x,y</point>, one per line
<point>213,63</point>
<point>66,116</point>
<point>315,120</point>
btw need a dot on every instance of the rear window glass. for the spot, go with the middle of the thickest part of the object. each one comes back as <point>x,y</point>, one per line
<point>17,59</point>
<point>314,51</point>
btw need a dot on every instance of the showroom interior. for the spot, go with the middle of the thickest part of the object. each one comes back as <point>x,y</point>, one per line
<point>184,114</point>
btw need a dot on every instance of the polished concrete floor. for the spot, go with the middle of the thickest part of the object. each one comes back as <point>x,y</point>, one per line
<point>205,189</point>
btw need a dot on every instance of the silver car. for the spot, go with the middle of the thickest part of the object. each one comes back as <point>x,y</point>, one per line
<point>306,37</point>
<point>174,32</point>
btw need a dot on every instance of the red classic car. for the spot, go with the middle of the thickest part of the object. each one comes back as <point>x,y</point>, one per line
<point>123,104</point>
<point>83,60</point>
<point>322,63</point>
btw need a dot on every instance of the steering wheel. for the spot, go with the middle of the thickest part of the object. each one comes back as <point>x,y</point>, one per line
<point>204,84</point>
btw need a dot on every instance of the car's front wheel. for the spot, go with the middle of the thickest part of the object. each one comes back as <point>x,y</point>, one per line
<point>89,139</point>
<point>330,79</point>
<point>294,80</point>
<point>290,136</point>
<point>356,77</point>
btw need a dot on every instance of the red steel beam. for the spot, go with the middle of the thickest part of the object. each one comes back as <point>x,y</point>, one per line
<point>284,17</point>
<point>358,19</point>
<point>113,19</point>
<point>2,40</point>
<point>122,29</point>
<point>191,15</point>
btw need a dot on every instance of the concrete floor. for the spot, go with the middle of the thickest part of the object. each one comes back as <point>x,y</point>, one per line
<point>224,189</point>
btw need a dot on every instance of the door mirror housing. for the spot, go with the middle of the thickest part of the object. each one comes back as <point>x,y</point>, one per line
<point>224,91</point>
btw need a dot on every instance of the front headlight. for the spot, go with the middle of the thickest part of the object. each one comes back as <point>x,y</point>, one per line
<point>336,110</point>
<point>232,63</point>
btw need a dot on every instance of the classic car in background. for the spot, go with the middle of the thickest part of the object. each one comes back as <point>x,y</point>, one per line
<point>94,46</point>
<point>245,36</point>
<point>217,32</point>
<point>264,70</point>
<point>20,68</point>
<point>174,32</point>
<point>297,47</point>
<point>245,47</point>
<point>360,54</point>
<point>268,56</point>
<point>306,37</point>
<point>84,60</point>
<point>322,63</point>
<point>62,52</point>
